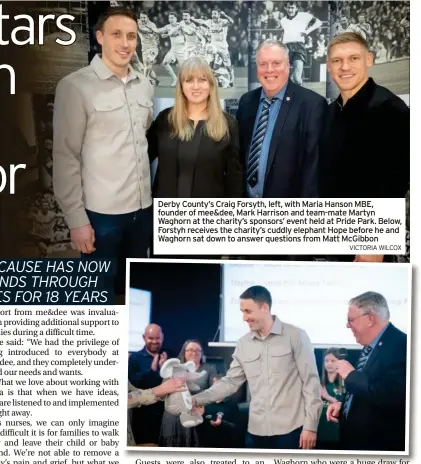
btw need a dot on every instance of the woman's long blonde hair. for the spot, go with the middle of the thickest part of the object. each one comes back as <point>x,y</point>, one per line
<point>216,126</point>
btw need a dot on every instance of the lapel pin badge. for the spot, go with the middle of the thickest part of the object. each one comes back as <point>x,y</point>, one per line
<point>381,343</point>
<point>288,99</point>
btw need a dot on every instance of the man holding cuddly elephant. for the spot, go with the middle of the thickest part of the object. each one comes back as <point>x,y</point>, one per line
<point>277,360</point>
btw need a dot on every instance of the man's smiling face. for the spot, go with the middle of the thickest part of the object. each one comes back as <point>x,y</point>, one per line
<point>272,69</point>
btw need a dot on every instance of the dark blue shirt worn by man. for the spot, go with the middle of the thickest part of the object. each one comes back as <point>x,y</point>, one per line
<point>141,374</point>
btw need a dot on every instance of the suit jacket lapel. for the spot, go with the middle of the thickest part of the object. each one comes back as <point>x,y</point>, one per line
<point>374,354</point>
<point>378,349</point>
<point>279,124</point>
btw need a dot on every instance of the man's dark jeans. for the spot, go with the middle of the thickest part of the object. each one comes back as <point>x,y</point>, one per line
<point>121,236</point>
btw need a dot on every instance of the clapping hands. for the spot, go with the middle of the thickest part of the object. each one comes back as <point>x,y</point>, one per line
<point>158,361</point>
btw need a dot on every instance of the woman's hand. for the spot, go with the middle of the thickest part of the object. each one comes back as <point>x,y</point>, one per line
<point>170,386</point>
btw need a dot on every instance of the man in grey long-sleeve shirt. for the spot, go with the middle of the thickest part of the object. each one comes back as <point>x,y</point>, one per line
<point>277,360</point>
<point>101,165</point>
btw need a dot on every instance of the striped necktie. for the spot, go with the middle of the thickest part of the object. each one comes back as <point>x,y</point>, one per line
<point>362,361</point>
<point>363,357</point>
<point>257,143</point>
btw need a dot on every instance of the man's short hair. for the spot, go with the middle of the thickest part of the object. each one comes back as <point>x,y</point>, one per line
<point>172,14</point>
<point>258,294</point>
<point>272,43</point>
<point>371,303</point>
<point>186,12</point>
<point>114,11</point>
<point>347,37</point>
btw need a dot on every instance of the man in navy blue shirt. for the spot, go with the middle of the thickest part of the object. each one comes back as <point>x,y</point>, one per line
<point>144,366</point>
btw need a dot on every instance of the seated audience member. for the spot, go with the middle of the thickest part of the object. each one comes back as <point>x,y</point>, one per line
<point>220,428</point>
<point>332,391</point>
<point>144,366</point>
<point>196,143</point>
<point>137,398</point>
<point>172,432</point>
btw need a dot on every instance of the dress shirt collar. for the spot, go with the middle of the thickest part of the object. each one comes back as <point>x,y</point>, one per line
<point>374,342</point>
<point>280,95</point>
<point>104,72</point>
<point>276,329</point>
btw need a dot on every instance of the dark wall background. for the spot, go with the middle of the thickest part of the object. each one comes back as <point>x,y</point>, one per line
<point>185,299</point>
<point>186,304</point>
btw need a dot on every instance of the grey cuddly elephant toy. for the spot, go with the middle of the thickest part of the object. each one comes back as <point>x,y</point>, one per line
<point>180,404</point>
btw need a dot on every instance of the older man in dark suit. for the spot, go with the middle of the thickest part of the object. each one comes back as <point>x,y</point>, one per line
<point>372,417</point>
<point>280,126</point>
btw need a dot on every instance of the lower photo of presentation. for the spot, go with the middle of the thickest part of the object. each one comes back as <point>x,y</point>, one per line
<point>304,357</point>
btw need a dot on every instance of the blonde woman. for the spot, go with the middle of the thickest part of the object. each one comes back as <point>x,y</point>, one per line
<point>196,143</point>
